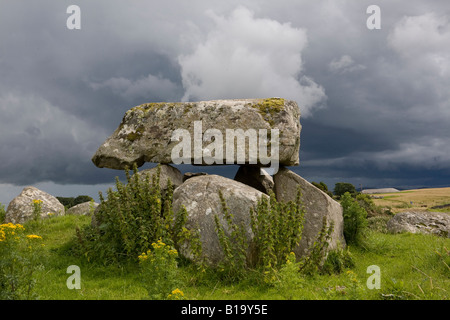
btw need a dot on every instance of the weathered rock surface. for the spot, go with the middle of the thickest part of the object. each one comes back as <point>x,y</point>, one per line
<point>146,130</point>
<point>166,172</point>
<point>317,205</point>
<point>255,177</point>
<point>189,175</point>
<point>200,196</point>
<point>83,209</point>
<point>20,209</point>
<point>437,223</point>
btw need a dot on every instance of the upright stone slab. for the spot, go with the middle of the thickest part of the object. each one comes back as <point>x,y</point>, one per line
<point>317,205</point>
<point>145,133</point>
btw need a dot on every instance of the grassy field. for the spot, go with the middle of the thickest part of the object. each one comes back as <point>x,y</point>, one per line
<point>412,267</point>
<point>417,199</point>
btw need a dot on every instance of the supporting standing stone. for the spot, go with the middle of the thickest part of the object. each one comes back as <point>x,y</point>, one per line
<point>317,205</point>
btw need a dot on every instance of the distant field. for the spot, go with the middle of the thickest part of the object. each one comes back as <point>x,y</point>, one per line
<point>417,199</point>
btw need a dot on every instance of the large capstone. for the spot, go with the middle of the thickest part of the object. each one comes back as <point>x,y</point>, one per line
<point>246,131</point>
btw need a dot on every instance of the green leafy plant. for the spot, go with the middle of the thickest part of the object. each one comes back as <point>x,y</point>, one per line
<point>37,209</point>
<point>160,273</point>
<point>288,279</point>
<point>277,228</point>
<point>234,244</point>
<point>338,260</point>
<point>313,262</point>
<point>355,220</point>
<point>20,258</point>
<point>132,218</point>
<point>2,213</point>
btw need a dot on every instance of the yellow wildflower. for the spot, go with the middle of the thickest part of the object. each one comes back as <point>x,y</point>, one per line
<point>33,236</point>
<point>176,294</point>
<point>178,291</point>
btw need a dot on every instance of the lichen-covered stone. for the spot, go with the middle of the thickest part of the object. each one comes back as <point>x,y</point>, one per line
<point>200,196</point>
<point>425,222</point>
<point>145,132</point>
<point>83,209</point>
<point>317,206</point>
<point>21,209</point>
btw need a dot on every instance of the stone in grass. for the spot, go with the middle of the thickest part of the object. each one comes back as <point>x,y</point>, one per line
<point>83,209</point>
<point>425,222</point>
<point>20,209</point>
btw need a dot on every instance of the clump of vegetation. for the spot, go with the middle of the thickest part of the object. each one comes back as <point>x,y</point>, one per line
<point>314,261</point>
<point>20,259</point>
<point>160,273</point>
<point>277,229</point>
<point>130,219</point>
<point>2,213</point>
<point>355,220</point>
<point>234,244</point>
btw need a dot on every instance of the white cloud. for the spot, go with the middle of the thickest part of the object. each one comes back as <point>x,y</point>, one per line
<point>424,42</point>
<point>247,57</point>
<point>143,87</point>
<point>345,64</point>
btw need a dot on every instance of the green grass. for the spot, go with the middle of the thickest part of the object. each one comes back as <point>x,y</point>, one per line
<point>410,269</point>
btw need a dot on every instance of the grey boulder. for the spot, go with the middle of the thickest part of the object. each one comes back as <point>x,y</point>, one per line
<point>20,209</point>
<point>425,222</point>
<point>83,209</point>
<point>200,196</point>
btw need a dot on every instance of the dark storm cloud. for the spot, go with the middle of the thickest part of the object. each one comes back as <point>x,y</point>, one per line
<point>375,104</point>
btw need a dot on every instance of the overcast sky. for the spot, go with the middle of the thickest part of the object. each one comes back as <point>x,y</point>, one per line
<point>375,104</point>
